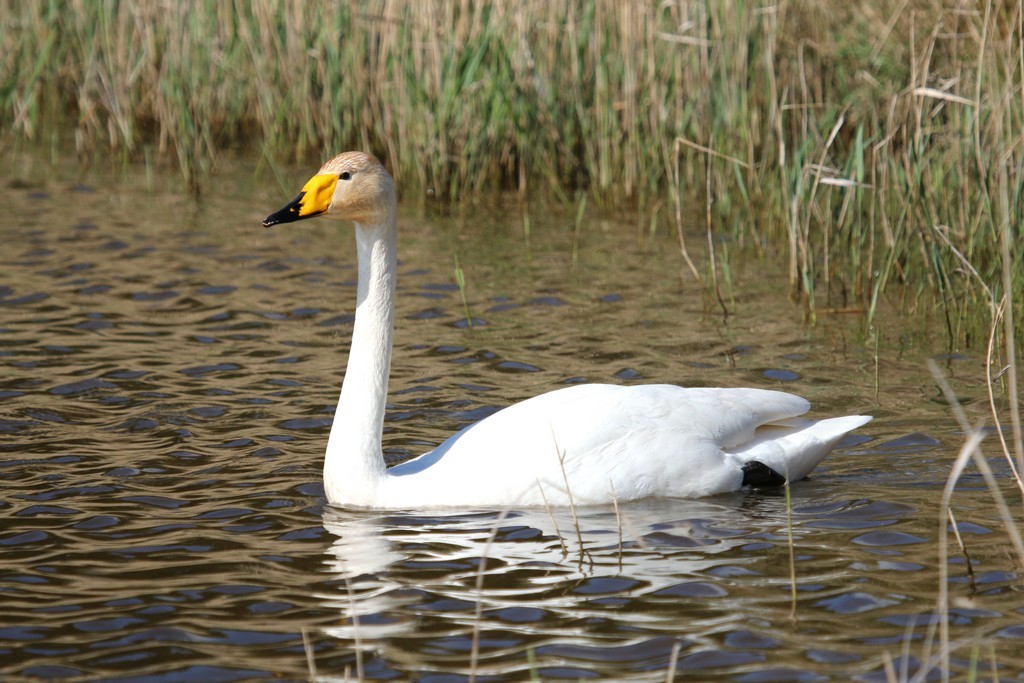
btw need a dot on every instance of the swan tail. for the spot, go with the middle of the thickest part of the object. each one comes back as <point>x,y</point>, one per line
<point>790,449</point>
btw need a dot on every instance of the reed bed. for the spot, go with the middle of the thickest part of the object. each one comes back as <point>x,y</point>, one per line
<point>872,143</point>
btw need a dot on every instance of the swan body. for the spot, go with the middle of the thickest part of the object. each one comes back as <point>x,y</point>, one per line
<point>580,445</point>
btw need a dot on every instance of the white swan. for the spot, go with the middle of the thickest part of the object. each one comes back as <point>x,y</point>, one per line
<point>584,444</point>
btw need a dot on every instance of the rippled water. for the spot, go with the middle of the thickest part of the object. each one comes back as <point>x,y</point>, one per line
<point>168,378</point>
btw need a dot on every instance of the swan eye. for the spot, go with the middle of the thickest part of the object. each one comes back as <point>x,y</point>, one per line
<point>345,176</point>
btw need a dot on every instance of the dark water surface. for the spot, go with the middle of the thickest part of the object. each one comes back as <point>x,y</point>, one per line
<point>168,372</point>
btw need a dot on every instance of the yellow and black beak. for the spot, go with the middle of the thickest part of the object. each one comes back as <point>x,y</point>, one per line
<point>313,200</point>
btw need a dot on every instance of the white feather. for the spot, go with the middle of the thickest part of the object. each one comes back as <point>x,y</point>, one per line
<point>585,444</point>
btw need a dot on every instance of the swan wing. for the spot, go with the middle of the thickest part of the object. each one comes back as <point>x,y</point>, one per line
<point>591,444</point>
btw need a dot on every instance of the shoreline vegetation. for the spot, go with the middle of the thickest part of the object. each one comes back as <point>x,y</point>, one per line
<point>871,144</point>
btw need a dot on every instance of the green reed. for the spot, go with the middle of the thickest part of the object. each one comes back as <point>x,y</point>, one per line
<point>876,144</point>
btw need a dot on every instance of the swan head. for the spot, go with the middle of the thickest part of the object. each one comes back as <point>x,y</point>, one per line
<point>352,186</point>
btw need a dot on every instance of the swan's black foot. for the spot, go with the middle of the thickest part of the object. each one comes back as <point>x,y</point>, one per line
<point>759,475</point>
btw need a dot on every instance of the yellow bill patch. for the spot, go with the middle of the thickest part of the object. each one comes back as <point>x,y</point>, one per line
<point>317,194</point>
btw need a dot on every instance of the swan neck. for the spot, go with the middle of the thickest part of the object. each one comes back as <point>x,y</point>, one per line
<point>355,464</point>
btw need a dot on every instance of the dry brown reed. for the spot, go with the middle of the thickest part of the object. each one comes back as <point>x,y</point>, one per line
<point>870,162</point>
<point>848,153</point>
<point>463,96</point>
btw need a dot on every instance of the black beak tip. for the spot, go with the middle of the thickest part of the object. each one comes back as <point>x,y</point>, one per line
<point>287,214</point>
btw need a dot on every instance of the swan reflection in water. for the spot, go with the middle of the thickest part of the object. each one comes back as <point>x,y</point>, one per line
<point>584,592</point>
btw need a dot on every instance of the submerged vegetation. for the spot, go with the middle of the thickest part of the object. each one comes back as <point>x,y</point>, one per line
<point>874,143</point>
